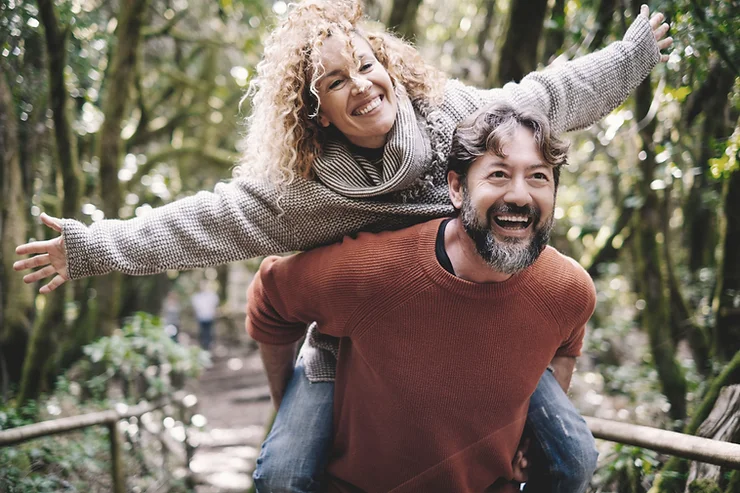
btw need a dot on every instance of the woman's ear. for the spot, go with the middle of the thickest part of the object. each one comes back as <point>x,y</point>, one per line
<point>323,121</point>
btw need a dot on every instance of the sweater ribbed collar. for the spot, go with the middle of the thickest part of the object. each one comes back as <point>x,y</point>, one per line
<point>406,155</point>
<point>468,289</point>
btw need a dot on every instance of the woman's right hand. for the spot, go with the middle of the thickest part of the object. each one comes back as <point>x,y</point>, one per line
<point>51,257</point>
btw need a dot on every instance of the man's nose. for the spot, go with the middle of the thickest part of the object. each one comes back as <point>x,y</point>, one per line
<point>518,192</point>
<point>360,84</point>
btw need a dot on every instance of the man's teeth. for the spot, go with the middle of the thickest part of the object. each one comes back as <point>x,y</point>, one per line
<point>369,107</point>
<point>519,219</point>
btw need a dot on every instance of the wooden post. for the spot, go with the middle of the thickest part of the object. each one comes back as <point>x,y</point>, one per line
<point>116,463</point>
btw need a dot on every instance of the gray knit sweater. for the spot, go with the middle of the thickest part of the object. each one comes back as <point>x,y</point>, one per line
<point>243,218</point>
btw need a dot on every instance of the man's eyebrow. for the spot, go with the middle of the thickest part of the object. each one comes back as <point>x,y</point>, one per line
<point>529,166</point>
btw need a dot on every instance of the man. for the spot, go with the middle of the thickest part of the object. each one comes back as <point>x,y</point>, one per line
<point>446,326</point>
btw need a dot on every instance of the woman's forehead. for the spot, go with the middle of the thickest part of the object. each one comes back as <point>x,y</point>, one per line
<point>342,48</point>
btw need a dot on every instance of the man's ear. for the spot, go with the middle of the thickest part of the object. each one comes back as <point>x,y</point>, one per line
<point>455,186</point>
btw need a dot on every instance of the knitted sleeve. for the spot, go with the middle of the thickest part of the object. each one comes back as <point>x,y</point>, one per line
<point>239,220</point>
<point>580,92</point>
<point>578,303</point>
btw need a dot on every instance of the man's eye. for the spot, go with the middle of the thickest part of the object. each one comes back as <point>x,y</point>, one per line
<point>498,174</point>
<point>540,176</point>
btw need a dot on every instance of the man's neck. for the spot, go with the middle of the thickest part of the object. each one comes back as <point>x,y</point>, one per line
<point>465,259</point>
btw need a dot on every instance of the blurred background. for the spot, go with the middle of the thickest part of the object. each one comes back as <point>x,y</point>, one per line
<point>96,123</point>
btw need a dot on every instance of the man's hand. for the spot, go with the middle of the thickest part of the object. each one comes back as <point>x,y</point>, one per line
<point>520,464</point>
<point>563,367</point>
<point>660,29</point>
<point>51,255</point>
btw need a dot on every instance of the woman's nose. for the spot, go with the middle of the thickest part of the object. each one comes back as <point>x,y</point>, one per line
<point>360,85</point>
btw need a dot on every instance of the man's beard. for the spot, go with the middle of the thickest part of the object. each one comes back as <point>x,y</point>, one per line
<point>509,255</point>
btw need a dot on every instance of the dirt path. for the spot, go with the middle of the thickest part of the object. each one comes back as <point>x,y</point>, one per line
<point>233,397</point>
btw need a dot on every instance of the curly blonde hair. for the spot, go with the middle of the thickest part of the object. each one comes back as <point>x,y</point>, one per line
<point>283,135</point>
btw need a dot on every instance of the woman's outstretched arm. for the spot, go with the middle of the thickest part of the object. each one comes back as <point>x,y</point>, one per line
<point>237,221</point>
<point>580,92</point>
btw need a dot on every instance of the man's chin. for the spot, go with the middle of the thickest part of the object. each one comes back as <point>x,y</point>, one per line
<point>512,239</point>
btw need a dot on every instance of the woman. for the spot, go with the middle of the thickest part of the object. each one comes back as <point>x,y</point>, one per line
<point>350,131</point>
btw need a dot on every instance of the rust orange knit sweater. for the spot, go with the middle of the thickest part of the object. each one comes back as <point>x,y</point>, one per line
<point>434,372</point>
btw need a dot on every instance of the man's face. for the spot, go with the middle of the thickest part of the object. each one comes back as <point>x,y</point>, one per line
<point>506,204</point>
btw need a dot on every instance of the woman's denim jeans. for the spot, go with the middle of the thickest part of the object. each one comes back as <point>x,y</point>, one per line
<point>294,455</point>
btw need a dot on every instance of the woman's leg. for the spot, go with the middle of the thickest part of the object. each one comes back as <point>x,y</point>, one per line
<point>564,441</point>
<point>294,454</point>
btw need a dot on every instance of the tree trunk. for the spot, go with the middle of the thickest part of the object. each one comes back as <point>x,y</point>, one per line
<point>403,18</point>
<point>670,478</point>
<point>116,100</point>
<point>698,211</point>
<point>40,363</point>
<point>683,325</point>
<point>519,52</point>
<point>16,297</point>
<point>604,18</point>
<point>42,351</point>
<point>485,44</point>
<point>727,325</point>
<point>650,270</point>
<point>555,32</point>
<point>722,424</point>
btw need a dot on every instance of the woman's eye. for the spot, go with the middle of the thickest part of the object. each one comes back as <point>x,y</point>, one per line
<point>498,174</point>
<point>366,66</point>
<point>335,83</point>
<point>540,176</point>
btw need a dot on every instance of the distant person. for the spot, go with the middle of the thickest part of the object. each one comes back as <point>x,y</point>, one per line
<point>171,315</point>
<point>205,303</point>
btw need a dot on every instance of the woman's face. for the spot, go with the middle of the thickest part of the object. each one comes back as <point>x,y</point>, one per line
<point>359,102</point>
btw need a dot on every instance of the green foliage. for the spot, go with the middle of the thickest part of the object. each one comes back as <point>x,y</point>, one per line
<point>628,469</point>
<point>704,486</point>
<point>139,360</point>
<point>53,464</point>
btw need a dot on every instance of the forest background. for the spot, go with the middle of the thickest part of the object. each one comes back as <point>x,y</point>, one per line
<point>108,109</point>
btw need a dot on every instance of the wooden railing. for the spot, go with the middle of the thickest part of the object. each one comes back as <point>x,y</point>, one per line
<point>677,444</point>
<point>109,418</point>
<point>699,449</point>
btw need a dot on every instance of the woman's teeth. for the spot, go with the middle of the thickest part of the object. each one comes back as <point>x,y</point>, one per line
<point>368,107</point>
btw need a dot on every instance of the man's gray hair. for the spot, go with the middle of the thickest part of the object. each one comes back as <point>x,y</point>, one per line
<point>488,131</point>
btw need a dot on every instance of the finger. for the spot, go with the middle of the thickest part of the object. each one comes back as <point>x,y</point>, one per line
<point>55,283</point>
<point>39,274</point>
<point>34,247</point>
<point>661,31</point>
<point>30,263</point>
<point>645,11</point>
<point>656,19</point>
<point>664,58</point>
<point>52,222</point>
<point>665,43</point>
